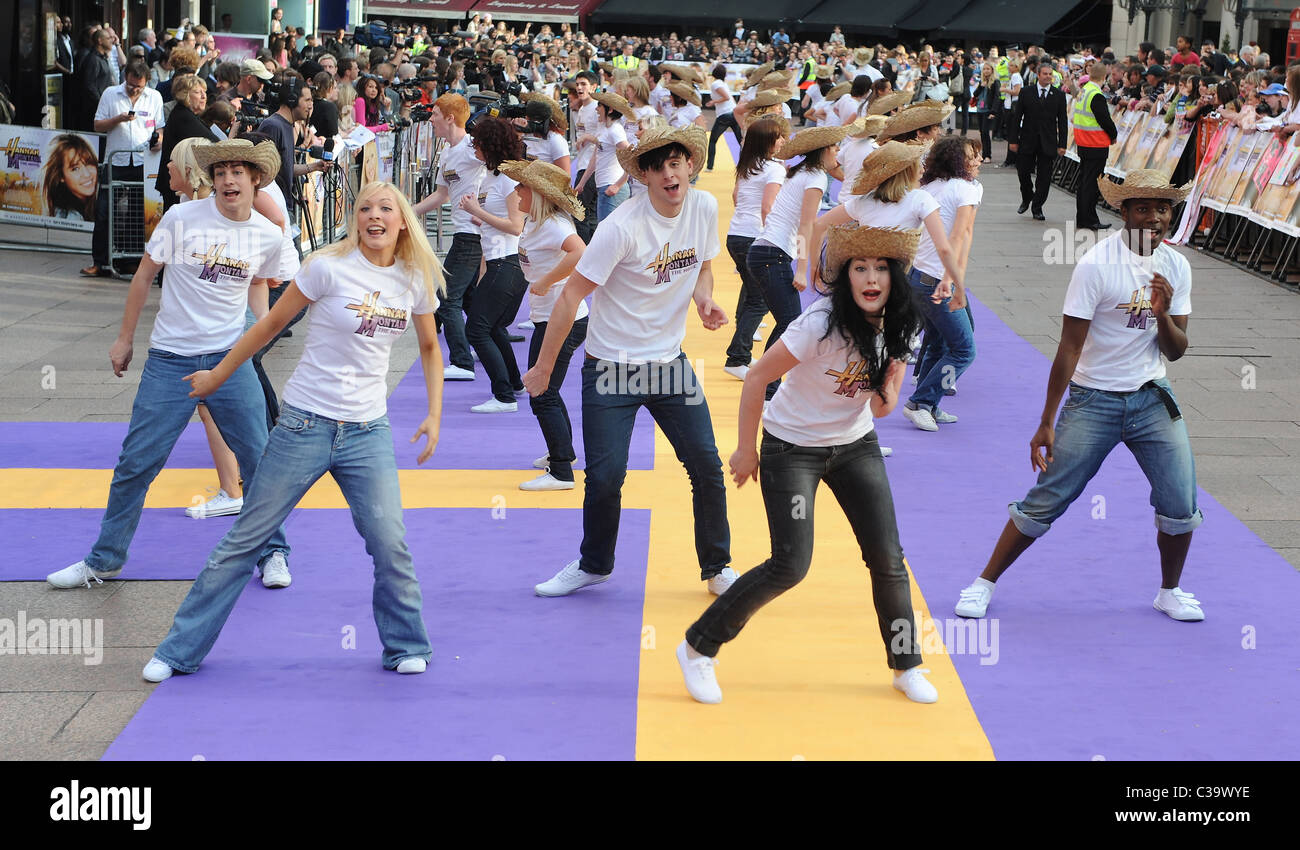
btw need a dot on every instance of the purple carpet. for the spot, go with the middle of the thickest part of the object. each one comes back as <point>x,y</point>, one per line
<point>511,672</point>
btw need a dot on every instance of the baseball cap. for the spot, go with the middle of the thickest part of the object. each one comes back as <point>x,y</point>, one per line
<point>255,68</point>
<point>1276,88</point>
<point>1158,70</point>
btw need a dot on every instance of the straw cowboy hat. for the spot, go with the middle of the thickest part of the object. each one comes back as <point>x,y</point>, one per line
<point>685,91</point>
<point>616,102</point>
<point>263,156</point>
<point>557,112</point>
<point>824,72</point>
<point>863,55</point>
<point>813,138</point>
<point>846,241</point>
<point>550,180</point>
<point>756,76</point>
<point>752,117</point>
<point>889,159</point>
<point>1142,183</point>
<point>837,91</point>
<point>916,116</point>
<point>887,103</point>
<point>776,80</point>
<point>682,72</point>
<point>693,138</point>
<point>870,126</point>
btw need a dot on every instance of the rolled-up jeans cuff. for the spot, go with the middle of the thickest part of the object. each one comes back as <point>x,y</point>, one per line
<point>1025,524</point>
<point>1175,527</point>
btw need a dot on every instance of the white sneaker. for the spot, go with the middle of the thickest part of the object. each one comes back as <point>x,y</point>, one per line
<point>737,372</point>
<point>494,406</point>
<point>886,451</point>
<point>455,373</point>
<point>275,572</point>
<point>718,584</point>
<point>942,417</point>
<point>219,505</point>
<point>78,575</point>
<point>915,686</point>
<point>543,462</point>
<point>1179,604</point>
<point>527,325</point>
<point>921,418</point>
<point>974,600</point>
<point>701,683</point>
<point>546,481</point>
<point>568,580</point>
<point>758,336</point>
<point>411,665</point>
<point>156,671</point>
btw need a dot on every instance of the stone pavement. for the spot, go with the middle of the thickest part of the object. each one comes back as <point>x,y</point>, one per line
<point>1239,386</point>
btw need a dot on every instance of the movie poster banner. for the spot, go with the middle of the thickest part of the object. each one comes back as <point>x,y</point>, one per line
<point>49,177</point>
<point>1125,121</point>
<point>153,199</point>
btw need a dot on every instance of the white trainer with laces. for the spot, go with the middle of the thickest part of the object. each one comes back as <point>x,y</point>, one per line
<point>1179,604</point>
<point>886,451</point>
<point>718,584</point>
<point>943,417</point>
<point>455,373</point>
<point>526,325</point>
<point>915,686</point>
<point>494,406</point>
<point>411,665</point>
<point>974,600</point>
<point>737,372</point>
<point>275,572</point>
<point>546,481</point>
<point>543,462</point>
<point>79,575</point>
<point>921,418</point>
<point>219,505</point>
<point>156,671</point>
<point>701,682</point>
<point>568,580</point>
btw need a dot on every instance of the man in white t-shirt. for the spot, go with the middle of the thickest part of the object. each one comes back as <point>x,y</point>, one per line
<point>586,123</point>
<point>647,262</point>
<point>211,253</point>
<point>459,174</point>
<point>1127,304</point>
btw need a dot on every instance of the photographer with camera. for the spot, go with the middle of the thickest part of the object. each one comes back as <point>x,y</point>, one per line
<point>293,101</point>
<point>252,76</point>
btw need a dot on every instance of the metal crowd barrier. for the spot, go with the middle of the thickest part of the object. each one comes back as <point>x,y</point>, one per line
<point>125,213</point>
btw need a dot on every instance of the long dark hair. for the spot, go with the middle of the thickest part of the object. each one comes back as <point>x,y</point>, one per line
<point>812,161</point>
<point>759,143</point>
<point>901,322</point>
<point>949,159</point>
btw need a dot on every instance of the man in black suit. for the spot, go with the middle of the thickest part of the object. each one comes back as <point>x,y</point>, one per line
<point>1037,136</point>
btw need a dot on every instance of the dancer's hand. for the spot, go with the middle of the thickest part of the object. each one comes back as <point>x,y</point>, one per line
<point>203,383</point>
<point>958,301</point>
<point>744,465</point>
<point>537,380</point>
<point>429,428</point>
<point>120,356</point>
<point>1044,438</point>
<point>714,316</point>
<point>941,291</point>
<point>1162,292</point>
<point>539,290</point>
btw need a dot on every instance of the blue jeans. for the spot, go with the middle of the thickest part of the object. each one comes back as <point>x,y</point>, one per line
<point>612,393</point>
<point>1093,422</point>
<point>949,349</point>
<point>161,410</point>
<point>302,448</point>
<point>496,303</point>
<point>605,204</point>
<point>461,270</point>
<point>549,407</point>
<point>771,268</point>
<point>751,306</point>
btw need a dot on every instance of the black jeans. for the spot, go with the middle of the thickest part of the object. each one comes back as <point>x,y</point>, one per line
<point>789,476</point>
<point>587,226</point>
<point>1038,162</point>
<point>771,268</point>
<point>986,132</point>
<point>461,270</point>
<point>496,302</point>
<point>129,211</point>
<point>720,125</point>
<point>549,408</point>
<point>1092,162</point>
<point>751,306</point>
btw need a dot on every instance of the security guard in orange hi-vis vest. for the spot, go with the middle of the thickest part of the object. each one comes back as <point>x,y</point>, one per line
<point>1094,132</point>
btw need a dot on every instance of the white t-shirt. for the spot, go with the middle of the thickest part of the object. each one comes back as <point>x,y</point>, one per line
<point>851,156</point>
<point>870,71</point>
<point>608,169</point>
<point>210,263</point>
<point>1111,287</point>
<point>684,116</point>
<point>846,109</point>
<point>645,267</point>
<point>289,263</point>
<point>950,195</point>
<point>540,251</point>
<point>908,214</point>
<point>824,400</point>
<point>1016,80</point>
<point>719,89</point>
<point>748,218</point>
<point>588,122</point>
<point>661,99</point>
<point>358,311</point>
<point>460,171</point>
<point>553,147</point>
<point>130,135</point>
<point>782,227</point>
<point>492,194</point>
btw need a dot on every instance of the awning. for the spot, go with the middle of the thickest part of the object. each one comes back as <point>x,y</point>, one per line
<point>929,16</point>
<point>1014,20</point>
<point>675,14</point>
<point>549,11</point>
<point>385,9</point>
<point>855,16</point>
